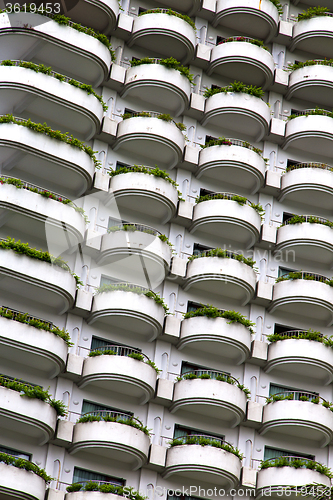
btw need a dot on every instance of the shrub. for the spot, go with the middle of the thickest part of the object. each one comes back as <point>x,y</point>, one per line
<point>170,13</point>
<point>297,463</point>
<point>161,116</point>
<point>312,112</point>
<point>206,441</point>
<point>120,420</point>
<point>312,12</point>
<point>222,377</point>
<point>254,41</point>
<point>307,335</point>
<point>124,491</point>
<point>21,463</point>
<point>25,249</point>
<point>213,312</point>
<point>132,228</point>
<point>223,254</point>
<point>170,63</point>
<point>299,275</point>
<point>126,288</point>
<point>316,62</point>
<point>241,200</point>
<point>54,134</point>
<point>236,87</point>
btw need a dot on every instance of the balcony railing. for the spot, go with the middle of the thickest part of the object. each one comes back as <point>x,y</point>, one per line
<point>28,317</point>
<point>196,438</point>
<point>226,196</point>
<point>50,72</point>
<point>117,416</point>
<point>132,226</point>
<point>207,253</point>
<point>311,112</point>
<point>297,395</point>
<point>120,350</point>
<point>213,374</point>
<point>313,219</point>
<point>323,166</point>
<point>297,333</point>
<point>303,275</point>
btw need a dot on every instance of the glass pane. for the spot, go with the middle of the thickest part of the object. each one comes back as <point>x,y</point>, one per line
<point>86,475</point>
<point>15,453</point>
<point>275,453</point>
<point>88,407</point>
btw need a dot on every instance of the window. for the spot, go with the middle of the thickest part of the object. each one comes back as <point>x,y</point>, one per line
<point>277,389</point>
<point>141,9</point>
<point>120,165</point>
<point>189,367</point>
<point>89,407</point>
<point>275,453</point>
<point>119,348</point>
<point>291,163</point>
<point>283,328</point>
<point>205,192</point>
<point>106,280</point>
<point>81,475</point>
<point>130,111</point>
<point>284,271</point>
<point>198,249</point>
<point>286,216</point>
<point>187,431</point>
<point>15,453</point>
<point>219,39</point>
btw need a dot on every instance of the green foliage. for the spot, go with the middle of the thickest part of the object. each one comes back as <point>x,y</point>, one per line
<point>21,463</point>
<point>300,219</point>
<point>133,355</point>
<point>236,87</point>
<point>311,112</point>
<point>223,377</point>
<point>307,335</point>
<point>138,290</point>
<point>169,62</point>
<point>120,420</point>
<point>124,491</point>
<point>278,6</point>
<point>312,12</point>
<point>34,392</point>
<point>304,64</point>
<point>66,21</point>
<point>131,228</point>
<point>25,249</point>
<point>170,13</point>
<point>298,275</point>
<point>212,312</point>
<point>297,463</point>
<point>40,68</point>
<point>105,352</point>
<point>223,254</point>
<point>292,397</point>
<point>54,134</point>
<point>241,200</point>
<point>136,355</point>
<point>206,441</point>
<point>222,141</point>
<point>161,116</point>
<point>254,41</point>
<point>46,194</point>
<point>156,172</point>
<point>36,323</point>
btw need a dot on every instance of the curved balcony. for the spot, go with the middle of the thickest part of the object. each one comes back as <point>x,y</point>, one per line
<point>304,297</point>
<point>33,418</point>
<point>20,483</point>
<point>280,481</point>
<point>314,35</point>
<point>227,277</point>
<point>216,336</point>
<point>128,311</point>
<point>130,248</point>
<point>112,440</point>
<point>306,358</point>
<point>153,138</point>
<point>233,163</point>
<point>50,100</point>
<point>312,133</point>
<point>160,196</point>
<point>156,84</point>
<point>133,378</point>
<point>243,61</point>
<point>168,35</point>
<point>212,398</point>
<point>55,164</point>
<point>312,83</point>
<point>203,464</point>
<point>300,419</point>
<point>228,219</point>
<point>243,113</point>
<point>42,282</point>
<point>32,347</point>
<point>100,15</point>
<point>259,20</point>
<point>65,49</point>
<point>310,183</point>
<point>22,208</point>
<point>306,239</point>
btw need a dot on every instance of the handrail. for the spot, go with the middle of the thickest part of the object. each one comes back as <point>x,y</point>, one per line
<point>213,374</point>
<point>304,274</point>
<point>311,112</point>
<point>287,392</point>
<point>290,458</point>
<point>29,185</point>
<point>323,166</point>
<point>296,333</point>
<point>119,350</point>
<point>224,196</point>
<point>152,114</point>
<point>28,316</point>
<point>228,253</point>
<point>136,227</point>
<point>185,437</point>
<point>120,284</point>
<point>307,218</point>
<point>49,73</point>
<point>112,414</point>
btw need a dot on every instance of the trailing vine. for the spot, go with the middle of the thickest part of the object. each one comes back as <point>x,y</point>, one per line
<point>54,134</point>
<point>41,68</point>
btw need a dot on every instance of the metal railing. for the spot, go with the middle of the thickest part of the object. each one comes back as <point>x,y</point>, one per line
<point>323,166</point>
<point>120,350</point>
<point>225,196</point>
<point>198,437</point>
<point>121,284</point>
<point>49,72</point>
<point>296,333</point>
<point>228,254</point>
<point>16,313</point>
<point>98,482</point>
<point>133,226</point>
<point>305,275</point>
<point>311,112</point>
<point>33,187</point>
<point>296,395</point>
<point>318,62</point>
<point>307,218</point>
<point>222,376</point>
<point>236,39</point>
<point>117,415</point>
<point>290,459</point>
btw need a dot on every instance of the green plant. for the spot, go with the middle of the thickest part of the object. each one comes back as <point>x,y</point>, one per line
<point>136,355</point>
<point>66,21</point>
<point>312,112</point>
<point>54,134</point>
<point>222,141</point>
<point>254,41</point>
<point>21,463</point>
<point>127,288</point>
<point>25,249</point>
<point>41,68</point>
<point>313,62</point>
<point>278,6</point>
<point>205,441</point>
<point>213,312</point>
<point>131,421</point>
<point>236,87</point>
<point>296,463</point>
<point>161,116</point>
<point>307,335</point>
<point>36,323</point>
<point>299,275</point>
<point>223,254</point>
<point>313,12</point>
<point>132,228</point>
<point>34,392</point>
<point>241,200</point>
<point>170,13</point>
<point>124,491</point>
<point>169,62</point>
<point>156,172</point>
<point>223,377</point>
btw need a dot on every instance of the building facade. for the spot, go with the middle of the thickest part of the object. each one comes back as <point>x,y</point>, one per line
<point>166,249</point>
